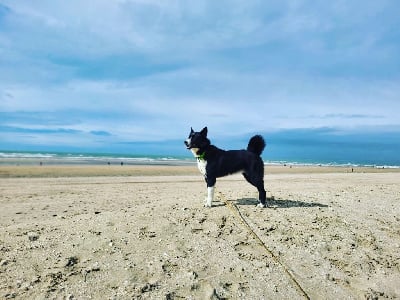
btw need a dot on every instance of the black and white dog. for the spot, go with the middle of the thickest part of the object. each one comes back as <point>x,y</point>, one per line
<point>214,162</point>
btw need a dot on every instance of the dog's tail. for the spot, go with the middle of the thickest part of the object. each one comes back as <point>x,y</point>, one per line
<point>256,145</point>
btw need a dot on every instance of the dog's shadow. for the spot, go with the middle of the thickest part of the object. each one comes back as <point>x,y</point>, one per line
<point>279,203</point>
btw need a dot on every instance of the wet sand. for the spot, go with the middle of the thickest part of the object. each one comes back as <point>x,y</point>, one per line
<point>140,232</point>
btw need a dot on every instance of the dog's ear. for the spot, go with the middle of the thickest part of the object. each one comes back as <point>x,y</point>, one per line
<point>204,131</point>
<point>191,131</point>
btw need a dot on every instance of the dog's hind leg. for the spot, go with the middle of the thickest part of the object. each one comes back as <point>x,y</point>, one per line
<point>259,184</point>
<point>262,195</point>
<point>247,178</point>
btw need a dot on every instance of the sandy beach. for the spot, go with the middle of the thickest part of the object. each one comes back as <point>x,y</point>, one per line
<point>141,232</point>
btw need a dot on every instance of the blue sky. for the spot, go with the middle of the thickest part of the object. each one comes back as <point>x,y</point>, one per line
<point>84,75</point>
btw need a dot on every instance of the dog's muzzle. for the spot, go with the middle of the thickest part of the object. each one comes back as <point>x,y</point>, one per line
<point>187,143</point>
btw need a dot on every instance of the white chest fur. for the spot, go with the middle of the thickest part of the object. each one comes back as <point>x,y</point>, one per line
<point>201,164</point>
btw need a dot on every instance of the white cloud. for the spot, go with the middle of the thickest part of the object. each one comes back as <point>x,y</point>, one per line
<point>246,101</point>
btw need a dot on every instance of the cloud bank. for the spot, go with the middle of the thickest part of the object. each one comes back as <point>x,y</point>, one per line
<point>126,71</point>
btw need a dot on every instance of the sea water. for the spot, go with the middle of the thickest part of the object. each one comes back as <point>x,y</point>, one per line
<point>93,158</point>
<point>276,152</point>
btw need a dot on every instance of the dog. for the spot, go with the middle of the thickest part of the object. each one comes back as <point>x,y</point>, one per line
<point>214,162</point>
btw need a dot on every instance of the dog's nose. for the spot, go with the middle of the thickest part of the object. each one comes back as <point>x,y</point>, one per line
<point>186,143</point>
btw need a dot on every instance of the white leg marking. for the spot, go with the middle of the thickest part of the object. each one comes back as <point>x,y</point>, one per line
<point>210,196</point>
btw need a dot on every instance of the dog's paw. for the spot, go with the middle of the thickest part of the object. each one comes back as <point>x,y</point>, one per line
<point>207,202</point>
<point>261,205</point>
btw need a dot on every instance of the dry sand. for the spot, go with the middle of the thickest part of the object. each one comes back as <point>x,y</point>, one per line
<point>142,233</point>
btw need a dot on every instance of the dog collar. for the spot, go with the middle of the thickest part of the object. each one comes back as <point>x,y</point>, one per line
<point>201,156</point>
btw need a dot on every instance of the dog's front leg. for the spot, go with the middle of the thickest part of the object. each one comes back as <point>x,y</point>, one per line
<point>210,196</point>
<point>210,192</point>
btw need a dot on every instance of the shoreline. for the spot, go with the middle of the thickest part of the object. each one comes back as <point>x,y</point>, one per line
<point>9,158</point>
<point>85,170</point>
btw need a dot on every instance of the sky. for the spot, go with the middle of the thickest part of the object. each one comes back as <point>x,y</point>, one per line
<point>106,75</point>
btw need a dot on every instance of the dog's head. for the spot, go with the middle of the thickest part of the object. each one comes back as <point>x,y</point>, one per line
<point>197,140</point>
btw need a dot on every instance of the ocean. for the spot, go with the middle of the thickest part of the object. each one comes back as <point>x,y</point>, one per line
<point>67,158</point>
<point>319,146</point>
<point>326,154</point>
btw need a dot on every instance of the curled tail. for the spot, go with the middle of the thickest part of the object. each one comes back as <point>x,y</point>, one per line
<point>256,145</point>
